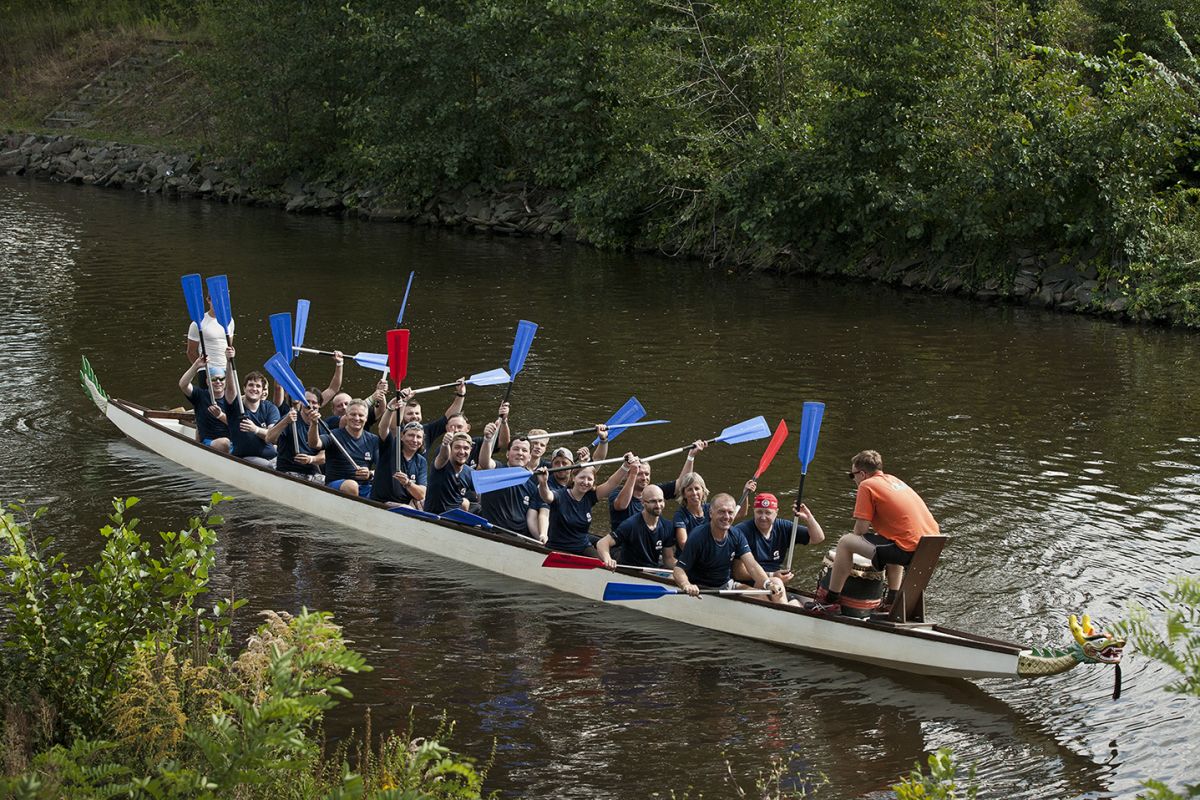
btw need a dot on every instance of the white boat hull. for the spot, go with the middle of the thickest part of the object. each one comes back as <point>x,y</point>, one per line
<point>921,650</point>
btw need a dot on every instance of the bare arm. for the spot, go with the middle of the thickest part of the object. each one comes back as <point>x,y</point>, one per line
<point>689,463</point>
<point>443,454</point>
<point>627,473</point>
<point>278,428</point>
<point>485,449</point>
<point>601,451</point>
<point>604,547</point>
<point>815,534</point>
<point>335,383</point>
<point>681,580</point>
<point>185,380</point>
<point>460,395</point>
<point>757,574</point>
<point>544,488</point>
<point>861,526</point>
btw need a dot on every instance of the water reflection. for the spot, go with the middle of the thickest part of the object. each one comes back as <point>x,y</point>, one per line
<point>1054,450</point>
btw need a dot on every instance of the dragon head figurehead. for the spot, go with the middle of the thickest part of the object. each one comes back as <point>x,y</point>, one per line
<point>1093,646</point>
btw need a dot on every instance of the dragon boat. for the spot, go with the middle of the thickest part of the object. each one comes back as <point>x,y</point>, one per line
<point>903,640</point>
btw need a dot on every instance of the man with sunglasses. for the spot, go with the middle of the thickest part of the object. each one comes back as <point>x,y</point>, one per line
<point>899,517</point>
<point>211,425</point>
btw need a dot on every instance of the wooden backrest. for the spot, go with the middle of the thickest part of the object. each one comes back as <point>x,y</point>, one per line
<point>910,600</point>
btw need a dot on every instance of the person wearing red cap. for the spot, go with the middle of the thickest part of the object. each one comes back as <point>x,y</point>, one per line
<point>714,549</point>
<point>769,536</point>
<point>898,515</point>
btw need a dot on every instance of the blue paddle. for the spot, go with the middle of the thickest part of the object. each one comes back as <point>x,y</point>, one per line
<point>279,369</point>
<point>648,591</point>
<point>745,431</point>
<point>520,350</point>
<point>301,323</point>
<point>404,302</point>
<point>632,411</point>
<point>810,429</point>
<point>475,521</point>
<point>493,377</point>
<point>281,332</point>
<point>193,295</point>
<point>218,292</point>
<point>375,361</point>
<point>489,480</point>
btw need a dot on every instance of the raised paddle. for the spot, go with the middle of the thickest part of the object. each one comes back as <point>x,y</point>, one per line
<point>193,295</point>
<point>781,433</point>
<point>218,292</point>
<point>404,302</point>
<point>522,341</point>
<point>490,480</point>
<point>629,413</point>
<point>301,324</point>
<point>375,361</point>
<point>744,431</point>
<point>279,369</point>
<point>648,591</point>
<point>591,428</point>
<point>520,350</point>
<point>281,333</point>
<point>572,561</point>
<point>493,377</point>
<point>397,346</point>
<point>810,429</point>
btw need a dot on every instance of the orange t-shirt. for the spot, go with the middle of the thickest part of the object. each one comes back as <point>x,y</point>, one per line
<point>894,510</point>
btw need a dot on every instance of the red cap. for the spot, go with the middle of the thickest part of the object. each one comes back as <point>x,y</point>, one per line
<point>766,500</point>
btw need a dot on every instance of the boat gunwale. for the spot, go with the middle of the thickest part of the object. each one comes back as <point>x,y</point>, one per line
<point>931,632</point>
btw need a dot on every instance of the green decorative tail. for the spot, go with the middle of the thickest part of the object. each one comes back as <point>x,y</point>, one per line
<point>91,385</point>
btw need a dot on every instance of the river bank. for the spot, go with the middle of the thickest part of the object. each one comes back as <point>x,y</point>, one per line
<point>513,209</point>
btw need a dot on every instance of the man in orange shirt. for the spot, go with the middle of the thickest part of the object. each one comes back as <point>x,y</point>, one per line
<point>899,517</point>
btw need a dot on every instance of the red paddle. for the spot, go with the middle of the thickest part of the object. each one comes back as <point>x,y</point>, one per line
<point>777,440</point>
<point>572,561</point>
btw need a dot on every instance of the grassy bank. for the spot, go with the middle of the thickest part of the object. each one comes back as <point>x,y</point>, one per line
<point>964,135</point>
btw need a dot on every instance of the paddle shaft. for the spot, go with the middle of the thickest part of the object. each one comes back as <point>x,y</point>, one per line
<point>334,439</point>
<point>237,389</point>
<point>591,429</point>
<point>795,521</point>
<point>433,388</point>
<point>300,349</point>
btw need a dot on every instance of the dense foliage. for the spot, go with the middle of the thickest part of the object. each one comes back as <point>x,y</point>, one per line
<point>768,132</point>
<point>116,681</point>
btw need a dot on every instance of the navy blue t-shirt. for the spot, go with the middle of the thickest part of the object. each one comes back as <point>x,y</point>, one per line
<point>708,563</point>
<point>246,445</point>
<point>689,521</point>
<point>434,430</point>
<point>446,488</point>
<point>385,487</point>
<point>642,546</point>
<point>769,551</point>
<point>507,507</point>
<point>208,426</point>
<point>286,446</point>
<point>364,451</point>
<point>570,521</point>
<point>617,516</point>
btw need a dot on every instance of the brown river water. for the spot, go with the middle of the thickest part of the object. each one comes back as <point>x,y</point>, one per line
<point>1060,452</point>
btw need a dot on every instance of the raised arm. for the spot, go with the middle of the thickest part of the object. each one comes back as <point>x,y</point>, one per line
<point>689,463</point>
<point>311,415</point>
<point>443,454</point>
<point>185,380</point>
<point>815,534</point>
<point>601,451</point>
<point>627,472</point>
<point>335,383</point>
<point>279,427</point>
<point>543,487</point>
<point>460,394</point>
<point>485,449</point>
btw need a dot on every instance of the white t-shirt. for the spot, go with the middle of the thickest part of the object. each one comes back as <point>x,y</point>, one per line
<point>214,339</point>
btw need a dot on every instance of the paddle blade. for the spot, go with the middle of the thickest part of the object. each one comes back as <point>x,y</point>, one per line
<point>404,302</point>
<point>466,518</point>
<point>397,343</point>
<point>636,591</point>
<point>571,561</point>
<point>492,377</point>
<point>218,292</point>
<point>301,322</point>
<point>777,440</point>
<point>415,513</point>
<point>632,411</point>
<point>810,429</point>
<point>281,332</point>
<point>193,295</point>
<point>521,345</point>
<point>489,480</point>
<point>375,361</point>
<point>278,369</point>
<point>747,431</point>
